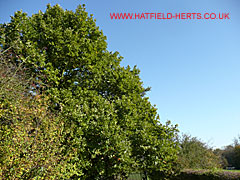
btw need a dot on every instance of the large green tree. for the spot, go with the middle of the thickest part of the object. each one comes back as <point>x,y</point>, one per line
<point>110,127</point>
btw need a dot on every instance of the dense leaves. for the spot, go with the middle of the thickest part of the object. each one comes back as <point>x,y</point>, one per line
<point>231,154</point>
<point>195,154</point>
<point>29,134</point>
<point>109,127</point>
<point>207,175</point>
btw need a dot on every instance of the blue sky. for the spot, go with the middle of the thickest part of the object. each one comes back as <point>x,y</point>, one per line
<point>193,66</point>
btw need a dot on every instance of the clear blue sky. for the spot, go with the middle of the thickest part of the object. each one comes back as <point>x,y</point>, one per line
<point>193,66</point>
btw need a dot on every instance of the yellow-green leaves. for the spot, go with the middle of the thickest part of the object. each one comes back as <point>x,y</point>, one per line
<point>30,135</point>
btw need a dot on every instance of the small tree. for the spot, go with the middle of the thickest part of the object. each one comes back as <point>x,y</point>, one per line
<point>195,154</point>
<point>232,154</point>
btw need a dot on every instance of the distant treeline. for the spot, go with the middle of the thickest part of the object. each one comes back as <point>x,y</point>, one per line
<point>195,154</point>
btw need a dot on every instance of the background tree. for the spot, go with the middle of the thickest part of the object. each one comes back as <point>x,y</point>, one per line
<point>232,154</point>
<point>109,127</point>
<point>194,154</point>
<point>223,161</point>
<point>237,156</point>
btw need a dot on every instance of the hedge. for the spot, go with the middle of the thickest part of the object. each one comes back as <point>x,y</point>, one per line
<point>207,175</point>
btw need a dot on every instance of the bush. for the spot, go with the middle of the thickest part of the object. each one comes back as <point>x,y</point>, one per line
<point>207,175</point>
<point>29,134</point>
<point>195,154</point>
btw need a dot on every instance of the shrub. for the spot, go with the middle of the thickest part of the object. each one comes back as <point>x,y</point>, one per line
<point>195,154</point>
<point>207,175</point>
<point>29,134</point>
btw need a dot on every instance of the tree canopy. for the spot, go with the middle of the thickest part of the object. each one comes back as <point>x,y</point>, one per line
<point>109,127</point>
<point>195,154</point>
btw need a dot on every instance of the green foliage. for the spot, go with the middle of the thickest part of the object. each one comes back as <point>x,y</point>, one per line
<point>109,127</point>
<point>195,154</point>
<point>222,160</point>
<point>29,134</point>
<point>207,175</point>
<point>232,154</point>
<point>237,156</point>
